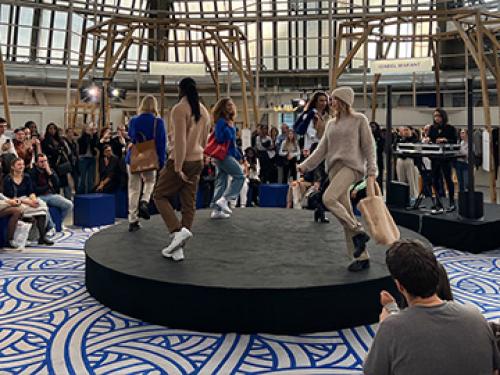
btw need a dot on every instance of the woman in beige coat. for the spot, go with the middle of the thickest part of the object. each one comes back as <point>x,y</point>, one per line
<point>348,149</point>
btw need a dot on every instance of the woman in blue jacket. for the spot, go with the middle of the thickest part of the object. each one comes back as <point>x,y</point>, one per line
<point>224,114</point>
<point>144,127</point>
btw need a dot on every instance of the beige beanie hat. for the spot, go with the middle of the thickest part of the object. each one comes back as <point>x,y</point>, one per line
<point>344,93</point>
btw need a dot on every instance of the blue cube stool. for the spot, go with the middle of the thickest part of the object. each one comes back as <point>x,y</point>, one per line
<point>121,203</point>
<point>273,195</point>
<point>55,214</point>
<point>93,210</point>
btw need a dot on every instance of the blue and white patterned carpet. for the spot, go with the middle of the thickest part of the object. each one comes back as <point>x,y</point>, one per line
<point>50,325</point>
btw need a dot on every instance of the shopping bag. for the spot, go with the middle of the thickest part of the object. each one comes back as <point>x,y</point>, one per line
<point>380,223</point>
<point>21,234</point>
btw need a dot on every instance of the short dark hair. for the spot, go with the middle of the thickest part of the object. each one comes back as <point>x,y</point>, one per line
<point>40,155</point>
<point>18,130</point>
<point>2,120</point>
<point>415,267</point>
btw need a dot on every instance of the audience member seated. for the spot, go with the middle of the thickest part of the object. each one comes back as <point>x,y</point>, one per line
<point>33,128</point>
<point>431,336</point>
<point>46,186</point>
<point>18,185</point>
<point>12,208</point>
<point>26,148</point>
<point>3,137</point>
<point>8,155</point>
<point>109,178</point>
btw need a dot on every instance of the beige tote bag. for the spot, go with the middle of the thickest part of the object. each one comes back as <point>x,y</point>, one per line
<point>381,225</point>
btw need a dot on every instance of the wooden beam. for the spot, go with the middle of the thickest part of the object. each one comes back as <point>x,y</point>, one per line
<point>5,91</point>
<point>486,106</point>
<point>253,96</point>
<point>376,79</point>
<point>353,52</point>
<point>336,63</point>
<point>437,71</point>
<point>210,70</point>
<point>467,42</point>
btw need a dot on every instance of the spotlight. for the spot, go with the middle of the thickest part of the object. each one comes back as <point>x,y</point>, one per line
<point>116,93</point>
<point>297,103</point>
<point>91,94</point>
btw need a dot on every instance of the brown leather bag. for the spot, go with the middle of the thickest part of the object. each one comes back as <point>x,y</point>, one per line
<point>381,225</point>
<point>143,156</point>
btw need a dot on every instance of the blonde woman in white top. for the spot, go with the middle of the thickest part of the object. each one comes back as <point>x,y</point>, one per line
<point>290,150</point>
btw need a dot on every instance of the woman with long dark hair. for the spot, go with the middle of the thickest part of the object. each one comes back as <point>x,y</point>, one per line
<point>57,154</point>
<point>144,127</point>
<point>188,134</point>
<point>224,115</point>
<point>312,122</point>
<point>349,152</point>
<point>442,132</point>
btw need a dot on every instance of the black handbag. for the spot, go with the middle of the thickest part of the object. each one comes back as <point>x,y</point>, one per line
<point>63,167</point>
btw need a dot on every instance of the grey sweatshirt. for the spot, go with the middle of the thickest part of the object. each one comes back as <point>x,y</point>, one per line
<point>349,141</point>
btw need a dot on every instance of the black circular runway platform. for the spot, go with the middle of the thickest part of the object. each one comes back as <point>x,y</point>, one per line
<point>264,270</point>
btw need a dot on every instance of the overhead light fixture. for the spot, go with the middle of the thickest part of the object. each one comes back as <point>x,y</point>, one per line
<point>116,93</point>
<point>91,94</point>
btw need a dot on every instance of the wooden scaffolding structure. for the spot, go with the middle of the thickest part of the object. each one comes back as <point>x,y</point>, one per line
<point>473,27</point>
<point>118,34</point>
<point>5,92</point>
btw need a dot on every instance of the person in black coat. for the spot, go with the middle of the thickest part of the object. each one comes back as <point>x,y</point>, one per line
<point>87,151</point>
<point>109,179</point>
<point>442,132</point>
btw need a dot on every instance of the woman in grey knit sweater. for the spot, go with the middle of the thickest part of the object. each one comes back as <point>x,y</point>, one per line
<point>348,149</point>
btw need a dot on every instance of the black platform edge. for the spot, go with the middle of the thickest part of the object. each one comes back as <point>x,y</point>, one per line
<point>285,311</point>
<point>452,231</point>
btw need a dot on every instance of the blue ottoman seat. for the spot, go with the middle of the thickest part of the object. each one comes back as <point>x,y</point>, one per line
<point>93,210</point>
<point>273,195</point>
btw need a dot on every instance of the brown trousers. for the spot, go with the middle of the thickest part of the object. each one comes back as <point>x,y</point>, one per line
<point>169,185</point>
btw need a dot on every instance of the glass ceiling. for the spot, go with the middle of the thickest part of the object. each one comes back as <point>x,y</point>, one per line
<point>293,34</point>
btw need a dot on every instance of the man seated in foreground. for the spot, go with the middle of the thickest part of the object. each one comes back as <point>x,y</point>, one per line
<point>431,336</point>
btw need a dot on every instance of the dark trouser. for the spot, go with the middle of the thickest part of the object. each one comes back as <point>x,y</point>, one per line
<point>462,169</point>
<point>87,175</point>
<point>169,184</point>
<point>15,214</point>
<point>443,168</point>
<point>290,169</point>
<point>266,167</point>
<point>254,185</point>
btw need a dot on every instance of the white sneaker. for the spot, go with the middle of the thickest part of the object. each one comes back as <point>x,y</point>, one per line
<point>216,214</point>
<point>176,255</point>
<point>223,205</point>
<point>51,232</point>
<point>178,240</point>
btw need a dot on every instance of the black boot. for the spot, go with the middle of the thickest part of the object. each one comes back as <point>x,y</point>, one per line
<point>144,210</point>
<point>40,224</point>
<point>359,265</point>
<point>133,227</point>
<point>319,216</point>
<point>359,241</point>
